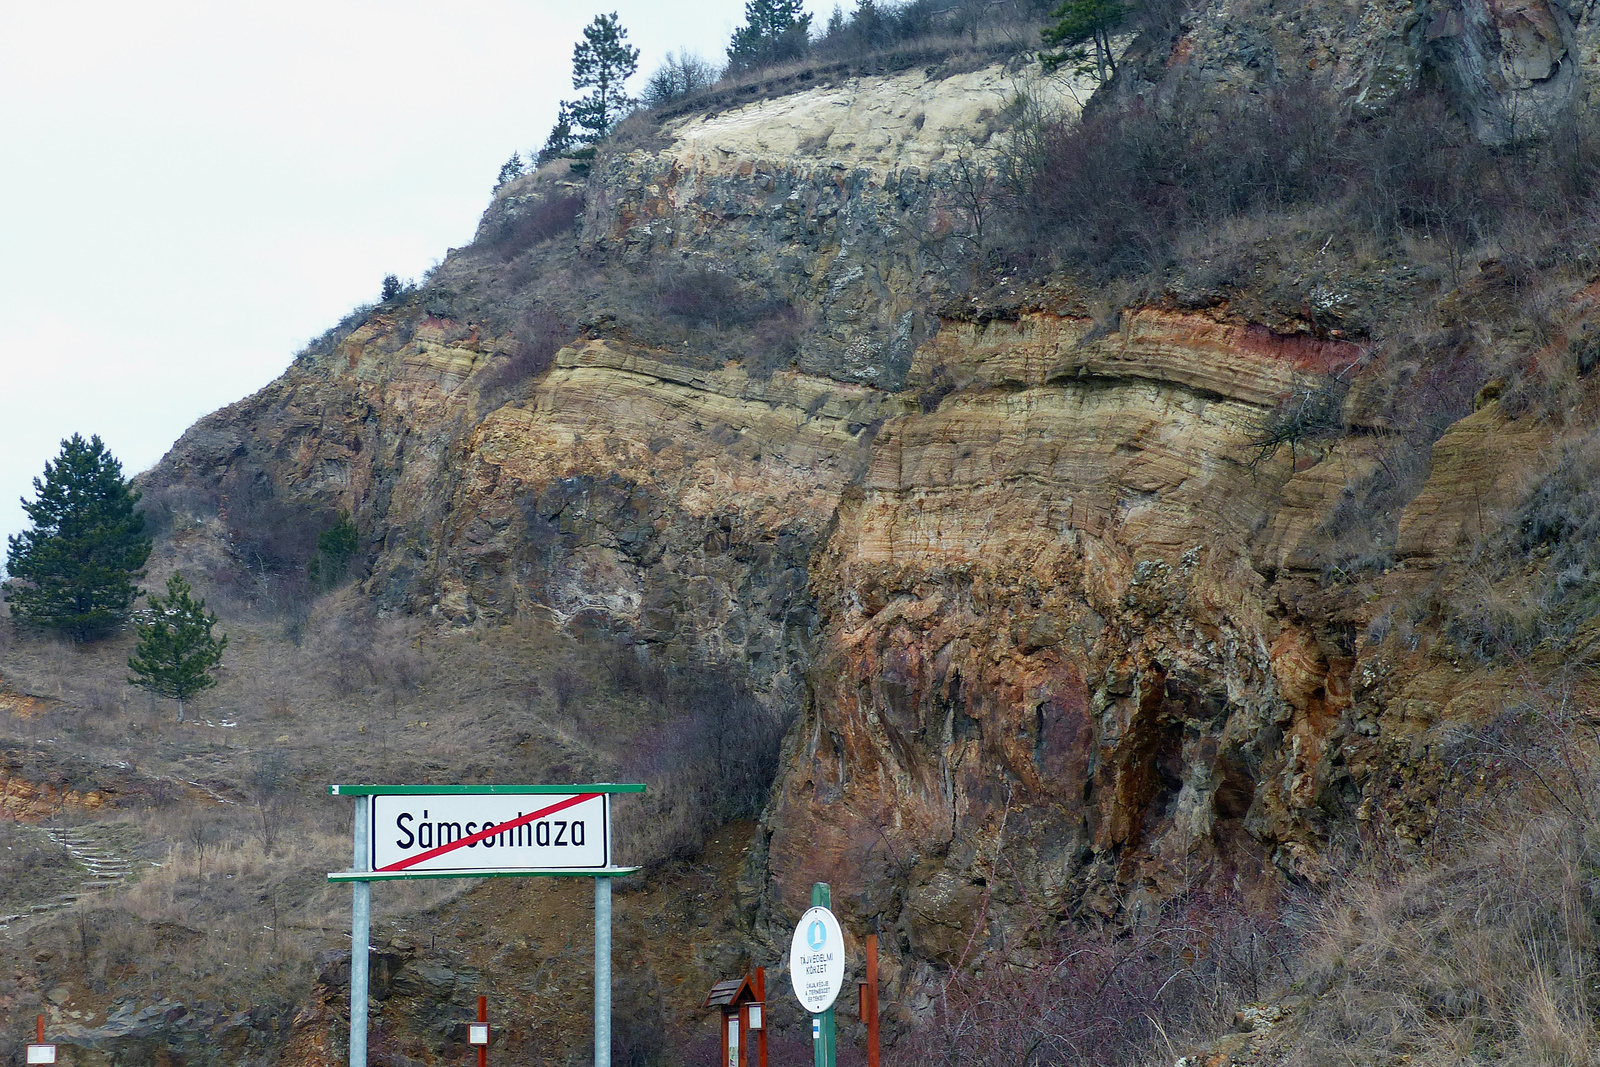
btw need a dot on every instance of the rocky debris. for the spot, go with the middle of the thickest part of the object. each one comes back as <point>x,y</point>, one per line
<point>1254,1027</point>
<point>167,1032</point>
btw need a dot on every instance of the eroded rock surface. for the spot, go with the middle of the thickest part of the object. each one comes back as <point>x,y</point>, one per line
<point>1048,615</point>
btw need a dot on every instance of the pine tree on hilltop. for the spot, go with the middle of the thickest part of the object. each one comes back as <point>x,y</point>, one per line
<point>74,571</point>
<point>510,170</point>
<point>601,63</point>
<point>176,652</point>
<point>774,31</point>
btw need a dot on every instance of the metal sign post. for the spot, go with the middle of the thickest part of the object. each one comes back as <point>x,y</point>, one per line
<point>602,972</point>
<point>480,831</point>
<point>816,969</point>
<point>360,931</point>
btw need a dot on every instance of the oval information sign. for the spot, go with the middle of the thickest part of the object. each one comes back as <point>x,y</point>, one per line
<point>816,960</point>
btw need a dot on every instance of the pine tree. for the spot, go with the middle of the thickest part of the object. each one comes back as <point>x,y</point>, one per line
<point>774,31</point>
<point>601,63</point>
<point>176,652</point>
<point>74,571</point>
<point>510,170</point>
<point>1083,22</point>
<point>561,138</point>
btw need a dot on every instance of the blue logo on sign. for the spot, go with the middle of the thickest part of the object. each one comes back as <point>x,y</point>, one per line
<point>816,934</point>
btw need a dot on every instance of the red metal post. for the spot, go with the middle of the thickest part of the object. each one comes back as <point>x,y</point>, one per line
<point>483,1017</point>
<point>761,995</point>
<point>38,1030</point>
<point>870,1004</point>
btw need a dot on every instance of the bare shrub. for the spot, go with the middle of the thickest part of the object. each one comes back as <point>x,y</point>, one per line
<point>679,77</point>
<point>1203,158</point>
<point>748,320</point>
<point>173,507</point>
<point>270,534</point>
<point>549,216</point>
<point>699,296</point>
<point>1312,412</point>
<point>1104,994</point>
<point>341,645</point>
<point>537,337</point>
<point>268,783</point>
<point>777,341</point>
<point>710,758</point>
<point>566,685</point>
<point>1205,155</point>
<point>398,662</point>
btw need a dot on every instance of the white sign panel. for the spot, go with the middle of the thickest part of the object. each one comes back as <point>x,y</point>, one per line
<point>816,960</point>
<point>465,832</point>
<point>41,1054</point>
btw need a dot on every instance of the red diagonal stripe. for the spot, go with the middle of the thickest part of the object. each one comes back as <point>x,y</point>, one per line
<point>462,842</point>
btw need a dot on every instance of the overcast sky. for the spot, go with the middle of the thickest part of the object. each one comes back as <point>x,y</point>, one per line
<point>190,191</point>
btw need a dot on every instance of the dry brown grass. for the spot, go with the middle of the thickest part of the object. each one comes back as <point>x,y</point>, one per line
<point>232,811</point>
<point>1491,956</point>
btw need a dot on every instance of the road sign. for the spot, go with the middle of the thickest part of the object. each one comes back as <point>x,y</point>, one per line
<point>816,960</point>
<point>474,831</point>
<point>41,1054</point>
<point>466,833</point>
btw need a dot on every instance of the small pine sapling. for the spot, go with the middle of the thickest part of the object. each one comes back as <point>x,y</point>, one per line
<point>510,170</point>
<point>336,547</point>
<point>176,653</point>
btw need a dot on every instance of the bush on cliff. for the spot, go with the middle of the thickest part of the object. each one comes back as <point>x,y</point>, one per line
<point>1203,157</point>
<point>678,78</point>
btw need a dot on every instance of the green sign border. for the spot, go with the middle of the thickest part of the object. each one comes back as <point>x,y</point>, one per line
<point>502,790</point>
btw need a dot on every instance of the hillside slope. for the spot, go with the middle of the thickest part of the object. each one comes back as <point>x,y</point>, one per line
<point>1061,632</point>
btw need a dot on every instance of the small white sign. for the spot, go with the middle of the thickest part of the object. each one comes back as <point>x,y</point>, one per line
<point>41,1054</point>
<point>473,831</point>
<point>477,1033</point>
<point>816,960</point>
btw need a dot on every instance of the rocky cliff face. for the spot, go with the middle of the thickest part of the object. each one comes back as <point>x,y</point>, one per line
<point>1512,68</point>
<point>1052,622</point>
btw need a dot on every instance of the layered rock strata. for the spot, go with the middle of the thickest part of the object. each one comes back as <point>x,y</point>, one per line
<point>1046,612</point>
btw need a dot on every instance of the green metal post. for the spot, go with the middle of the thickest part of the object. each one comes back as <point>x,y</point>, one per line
<point>825,1052</point>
